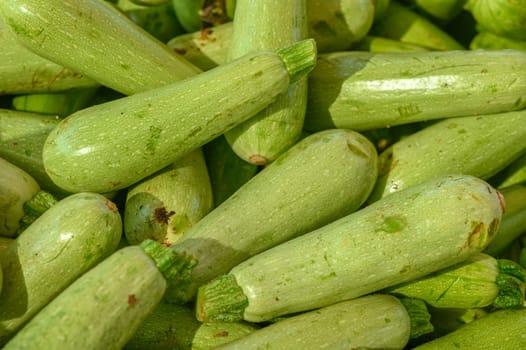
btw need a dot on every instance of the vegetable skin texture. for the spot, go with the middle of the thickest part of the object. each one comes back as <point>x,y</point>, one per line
<point>501,17</point>
<point>363,91</point>
<point>88,36</point>
<point>67,240</point>
<point>90,150</point>
<point>375,321</point>
<point>125,288</point>
<point>323,177</point>
<point>405,236</point>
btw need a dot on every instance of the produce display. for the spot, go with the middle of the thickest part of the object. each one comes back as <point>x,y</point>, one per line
<point>262,174</point>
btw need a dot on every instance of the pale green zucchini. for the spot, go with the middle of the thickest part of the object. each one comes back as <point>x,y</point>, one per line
<point>95,39</point>
<point>503,329</point>
<point>113,145</point>
<point>211,335</point>
<point>488,41</point>
<point>479,146</point>
<point>262,138</point>
<point>478,282</point>
<point>23,71</point>
<point>22,137</point>
<point>402,237</point>
<point>320,179</point>
<point>401,23</point>
<point>443,10</point>
<point>67,240</point>
<point>16,188</point>
<point>364,91</point>
<point>164,206</point>
<point>375,321</point>
<point>4,243</point>
<point>447,320</point>
<point>513,223</point>
<point>378,44</point>
<point>513,174</point>
<point>124,288</point>
<point>501,17</point>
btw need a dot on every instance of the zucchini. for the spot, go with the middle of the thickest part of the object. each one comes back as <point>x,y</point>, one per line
<point>320,179</point>
<point>164,206</point>
<point>447,320</point>
<point>488,41</point>
<point>501,17</point>
<point>363,91</point>
<point>479,146</point>
<point>378,44</point>
<point>95,39</point>
<point>90,150</point>
<point>262,138</point>
<point>513,174</point>
<point>376,321</point>
<point>407,235</point>
<point>503,329</point>
<point>16,188</point>
<point>211,335</point>
<point>187,12</point>
<point>67,240</point>
<point>125,288</point>
<point>23,71</point>
<point>443,10</point>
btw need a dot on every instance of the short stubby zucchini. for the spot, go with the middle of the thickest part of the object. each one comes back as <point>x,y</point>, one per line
<point>403,236</point>
<point>362,91</point>
<point>115,144</point>
<point>67,240</point>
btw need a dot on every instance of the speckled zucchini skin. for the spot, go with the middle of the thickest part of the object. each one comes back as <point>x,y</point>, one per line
<point>95,39</point>
<point>402,237</point>
<point>67,240</point>
<point>100,310</point>
<point>364,91</point>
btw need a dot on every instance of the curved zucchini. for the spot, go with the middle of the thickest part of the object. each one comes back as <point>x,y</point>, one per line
<point>262,138</point>
<point>95,39</point>
<point>102,309</point>
<point>402,237</point>
<point>375,321</point>
<point>67,240</point>
<point>115,144</point>
<point>16,188</point>
<point>364,91</point>
<point>479,146</point>
<point>164,206</point>
<point>320,179</point>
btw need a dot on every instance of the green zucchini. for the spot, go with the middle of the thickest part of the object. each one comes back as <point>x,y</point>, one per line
<point>95,39</point>
<point>447,320</point>
<point>16,188</point>
<point>443,10</point>
<point>380,7</point>
<point>407,235</point>
<point>477,282</point>
<point>488,41</point>
<point>376,321</point>
<point>401,23</point>
<point>22,137</point>
<point>211,335</point>
<point>479,146</point>
<point>262,138</point>
<point>150,2</point>
<point>23,71</point>
<point>187,12</point>
<point>503,329</point>
<point>513,174</point>
<point>91,150</point>
<point>323,177</point>
<point>67,240</point>
<point>501,17</point>
<point>378,44</point>
<point>124,288</point>
<point>164,206</point>
<point>363,91</point>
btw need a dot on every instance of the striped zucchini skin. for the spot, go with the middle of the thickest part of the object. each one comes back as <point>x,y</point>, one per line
<point>67,240</point>
<point>323,177</point>
<point>16,188</point>
<point>363,91</point>
<point>479,146</point>
<point>377,321</point>
<point>95,39</point>
<point>261,139</point>
<point>404,236</point>
<point>23,71</point>
<point>100,310</point>
<point>113,145</point>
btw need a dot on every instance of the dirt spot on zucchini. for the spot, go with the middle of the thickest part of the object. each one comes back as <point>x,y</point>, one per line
<point>111,206</point>
<point>161,215</point>
<point>221,334</point>
<point>132,300</point>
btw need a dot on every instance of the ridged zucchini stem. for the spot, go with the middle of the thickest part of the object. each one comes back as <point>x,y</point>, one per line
<point>222,299</point>
<point>35,207</point>
<point>299,58</point>
<point>419,317</point>
<point>510,282</point>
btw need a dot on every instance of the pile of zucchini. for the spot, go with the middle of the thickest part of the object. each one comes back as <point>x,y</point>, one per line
<point>270,174</point>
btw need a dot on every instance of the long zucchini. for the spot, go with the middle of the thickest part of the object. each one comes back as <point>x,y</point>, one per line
<point>364,91</point>
<point>95,39</point>
<point>67,240</point>
<point>113,145</point>
<point>402,237</point>
<point>320,179</point>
